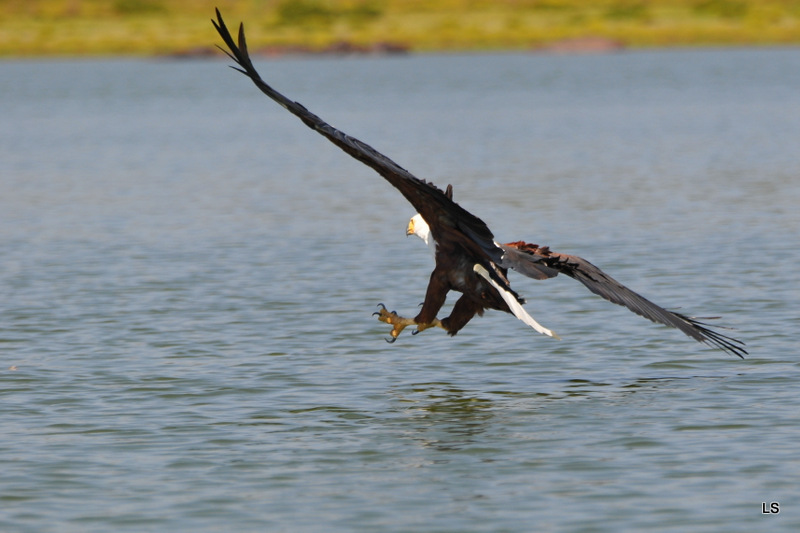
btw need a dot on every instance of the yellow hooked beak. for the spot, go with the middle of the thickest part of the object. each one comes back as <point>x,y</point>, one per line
<point>410,228</point>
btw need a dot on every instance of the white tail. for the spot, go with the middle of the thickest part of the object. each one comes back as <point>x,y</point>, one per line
<point>513,304</point>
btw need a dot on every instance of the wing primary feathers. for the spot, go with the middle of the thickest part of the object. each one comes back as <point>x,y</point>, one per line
<point>427,199</point>
<point>541,263</point>
<point>359,150</point>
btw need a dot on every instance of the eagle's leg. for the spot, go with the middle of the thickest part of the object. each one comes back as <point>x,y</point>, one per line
<point>464,309</point>
<point>435,296</point>
<point>435,323</point>
<point>400,323</point>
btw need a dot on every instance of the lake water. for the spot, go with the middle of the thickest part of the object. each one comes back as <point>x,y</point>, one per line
<point>187,276</point>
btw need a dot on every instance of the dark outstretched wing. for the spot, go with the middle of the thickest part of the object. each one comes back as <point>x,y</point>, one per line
<point>435,207</point>
<point>541,263</point>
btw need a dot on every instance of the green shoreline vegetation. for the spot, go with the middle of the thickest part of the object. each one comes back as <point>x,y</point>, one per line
<point>157,27</point>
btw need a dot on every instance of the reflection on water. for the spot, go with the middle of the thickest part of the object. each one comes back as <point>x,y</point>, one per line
<point>446,417</point>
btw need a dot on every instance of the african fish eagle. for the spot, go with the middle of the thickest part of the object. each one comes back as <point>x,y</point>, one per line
<point>468,259</point>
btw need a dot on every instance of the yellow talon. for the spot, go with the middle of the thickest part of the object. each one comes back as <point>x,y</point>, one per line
<point>400,323</point>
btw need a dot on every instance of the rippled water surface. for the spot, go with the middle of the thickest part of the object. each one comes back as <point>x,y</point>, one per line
<point>187,275</point>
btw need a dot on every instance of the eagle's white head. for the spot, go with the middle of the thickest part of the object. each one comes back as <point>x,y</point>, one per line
<point>417,226</point>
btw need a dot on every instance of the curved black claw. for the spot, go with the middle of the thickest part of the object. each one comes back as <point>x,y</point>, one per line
<point>377,312</point>
<point>391,341</point>
<point>415,332</point>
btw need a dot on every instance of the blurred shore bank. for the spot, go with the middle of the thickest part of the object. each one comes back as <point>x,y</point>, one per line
<point>179,28</point>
